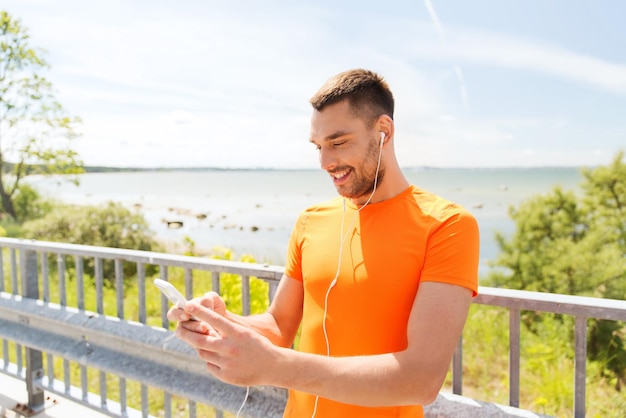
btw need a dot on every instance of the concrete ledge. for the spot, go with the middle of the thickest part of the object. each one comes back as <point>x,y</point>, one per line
<point>448,405</point>
<point>13,393</point>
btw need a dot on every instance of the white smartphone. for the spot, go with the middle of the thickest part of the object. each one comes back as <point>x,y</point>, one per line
<point>171,292</point>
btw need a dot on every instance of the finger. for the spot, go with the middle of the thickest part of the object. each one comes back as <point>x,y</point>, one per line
<point>199,341</point>
<point>214,364</point>
<point>177,314</point>
<point>196,326</point>
<point>208,299</point>
<point>210,357</point>
<point>213,301</point>
<point>214,369</point>
<point>214,319</point>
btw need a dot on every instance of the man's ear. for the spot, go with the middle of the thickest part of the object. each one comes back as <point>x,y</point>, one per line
<point>384,125</point>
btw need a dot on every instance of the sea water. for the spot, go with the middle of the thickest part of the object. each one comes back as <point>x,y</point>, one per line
<point>253,211</point>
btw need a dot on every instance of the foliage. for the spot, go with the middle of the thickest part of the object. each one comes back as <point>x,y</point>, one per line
<point>29,204</point>
<point>109,226</point>
<point>574,245</point>
<point>11,228</point>
<point>35,130</point>
<point>230,286</point>
<point>605,199</point>
<point>190,246</point>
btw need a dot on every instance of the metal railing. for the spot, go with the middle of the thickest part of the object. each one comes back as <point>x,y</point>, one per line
<point>43,321</point>
<point>581,308</point>
<point>123,344</point>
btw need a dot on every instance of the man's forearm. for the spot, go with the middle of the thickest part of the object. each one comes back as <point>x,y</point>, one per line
<point>377,380</point>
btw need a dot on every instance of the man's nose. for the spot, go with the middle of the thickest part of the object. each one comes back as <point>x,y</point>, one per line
<point>328,159</point>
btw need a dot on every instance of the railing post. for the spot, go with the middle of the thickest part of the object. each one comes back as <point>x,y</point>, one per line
<point>514,356</point>
<point>580,366</point>
<point>457,368</point>
<point>34,358</point>
<point>215,282</point>
<point>245,295</point>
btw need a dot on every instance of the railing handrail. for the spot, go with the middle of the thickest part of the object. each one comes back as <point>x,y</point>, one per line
<point>262,271</point>
<point>532,300</point>
<point>589,307</point>
<point>599,308</point>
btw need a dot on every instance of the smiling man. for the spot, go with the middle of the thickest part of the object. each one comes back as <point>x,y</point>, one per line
<point>380,279</point>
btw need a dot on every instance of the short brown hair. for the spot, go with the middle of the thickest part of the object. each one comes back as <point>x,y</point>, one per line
<point>367,92</point>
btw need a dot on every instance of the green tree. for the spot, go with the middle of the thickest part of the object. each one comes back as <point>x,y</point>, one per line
<point>573,244</point>
<point>605,199</point>
<point>35,130</point>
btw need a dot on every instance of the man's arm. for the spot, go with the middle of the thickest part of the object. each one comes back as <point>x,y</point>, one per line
<point>411,376</point>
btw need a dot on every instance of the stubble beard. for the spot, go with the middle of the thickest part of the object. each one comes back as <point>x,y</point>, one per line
<point>362,183</point>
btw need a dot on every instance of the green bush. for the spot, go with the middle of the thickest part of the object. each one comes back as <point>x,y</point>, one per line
<point>29,205</point>
<point>109,226</point>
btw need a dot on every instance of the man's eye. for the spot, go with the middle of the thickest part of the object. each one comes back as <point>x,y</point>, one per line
<point>339,143</point>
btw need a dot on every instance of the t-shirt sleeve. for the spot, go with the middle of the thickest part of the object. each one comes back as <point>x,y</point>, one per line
<point>293,265</point>
<point>453,252</point>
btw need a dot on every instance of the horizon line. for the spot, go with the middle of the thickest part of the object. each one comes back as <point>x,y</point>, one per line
<point>99,168</point>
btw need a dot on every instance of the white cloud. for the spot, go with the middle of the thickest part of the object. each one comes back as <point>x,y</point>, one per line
<point>457,69</point>
<point>501,50</point>
<point>435,19</point>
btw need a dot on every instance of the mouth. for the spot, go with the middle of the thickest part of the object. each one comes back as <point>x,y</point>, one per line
<point>340,177</point>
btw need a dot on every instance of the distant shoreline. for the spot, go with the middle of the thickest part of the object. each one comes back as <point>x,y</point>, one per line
<point>106,169</point>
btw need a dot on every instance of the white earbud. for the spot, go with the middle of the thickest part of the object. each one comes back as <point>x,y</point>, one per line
<point>382,138</point>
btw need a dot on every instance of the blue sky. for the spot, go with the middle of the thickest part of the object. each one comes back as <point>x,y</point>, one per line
<point>482,83</point>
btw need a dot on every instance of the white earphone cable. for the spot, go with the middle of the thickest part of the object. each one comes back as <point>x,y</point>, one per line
<point>342,238</point>
<point>245,399</point>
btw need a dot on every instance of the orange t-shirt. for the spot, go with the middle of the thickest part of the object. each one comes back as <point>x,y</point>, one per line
<point>388,248</point>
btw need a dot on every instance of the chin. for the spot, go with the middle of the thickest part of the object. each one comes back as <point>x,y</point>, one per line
<point>353,196</point>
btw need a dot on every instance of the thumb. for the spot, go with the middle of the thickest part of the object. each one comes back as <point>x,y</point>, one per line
<point>213,301</point>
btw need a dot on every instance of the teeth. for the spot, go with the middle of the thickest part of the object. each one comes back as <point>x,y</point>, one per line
<point>340,175</point>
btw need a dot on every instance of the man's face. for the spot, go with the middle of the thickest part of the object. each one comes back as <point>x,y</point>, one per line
<point>348,150</point>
